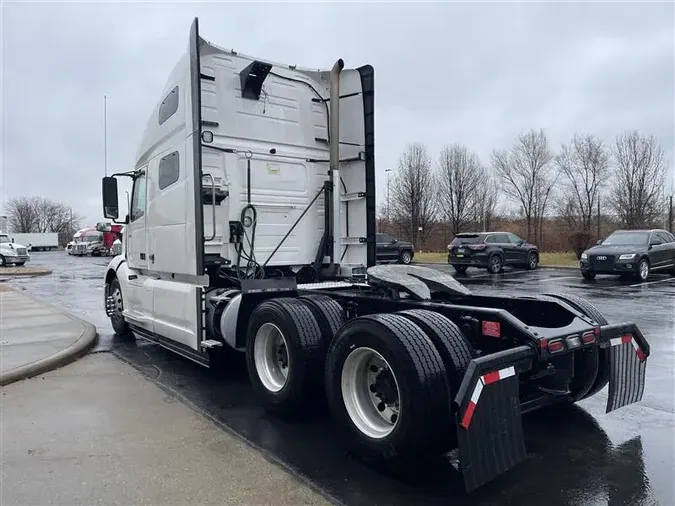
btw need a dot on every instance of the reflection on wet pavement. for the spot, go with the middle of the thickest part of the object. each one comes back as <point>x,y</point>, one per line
<point>576,456</point>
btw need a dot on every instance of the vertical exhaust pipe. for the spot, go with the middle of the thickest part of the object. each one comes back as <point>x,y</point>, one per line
<point>334,158</point>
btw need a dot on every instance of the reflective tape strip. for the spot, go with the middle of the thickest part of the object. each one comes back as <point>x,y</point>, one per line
<point>486,379</point>
<point>477,391</point>
<point>629,339</point>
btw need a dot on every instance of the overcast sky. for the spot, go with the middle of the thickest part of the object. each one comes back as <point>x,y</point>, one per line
<point>476,73</point>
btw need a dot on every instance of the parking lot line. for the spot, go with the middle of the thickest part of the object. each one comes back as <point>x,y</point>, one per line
<point>558,278</point>
<point>652,282</point>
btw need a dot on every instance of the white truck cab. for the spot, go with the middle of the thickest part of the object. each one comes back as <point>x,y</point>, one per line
<point>11,252</point>
<point>240,177</point>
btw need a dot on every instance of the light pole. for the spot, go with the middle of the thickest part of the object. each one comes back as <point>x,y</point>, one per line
<point>388,201</point>
<point>105,134</point>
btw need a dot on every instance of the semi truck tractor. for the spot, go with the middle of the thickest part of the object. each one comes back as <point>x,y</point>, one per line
<point>252,230</point>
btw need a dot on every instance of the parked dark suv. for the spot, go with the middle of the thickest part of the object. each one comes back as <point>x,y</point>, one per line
<point>491,251</point>
<point>392,250</point>
<point>630,253</point>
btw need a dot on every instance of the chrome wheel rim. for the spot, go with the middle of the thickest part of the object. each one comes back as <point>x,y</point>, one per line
<point>118,304</point>
<point>644,270</point>
<point>406,258</point>
<point>270,354</point>
<point>370,393</point>
<point>496,264</point>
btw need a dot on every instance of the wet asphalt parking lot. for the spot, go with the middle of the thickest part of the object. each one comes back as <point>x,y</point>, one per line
<point>577,455</point>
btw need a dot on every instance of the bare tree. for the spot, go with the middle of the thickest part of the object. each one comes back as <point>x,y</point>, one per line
<point>21,214</point>
<point>413,195</point>
<point>40,215</point>
<point>459,179</point>
<point>637,193</point>
<point>487,200</point>
<point>584,164</point>
<point>528,176</point>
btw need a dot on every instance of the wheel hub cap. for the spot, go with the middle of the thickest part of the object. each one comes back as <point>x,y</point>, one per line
<point>270,354</point>
<point>370,393</point>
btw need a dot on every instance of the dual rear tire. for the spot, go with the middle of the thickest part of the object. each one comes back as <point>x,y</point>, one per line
<point>389,379</point>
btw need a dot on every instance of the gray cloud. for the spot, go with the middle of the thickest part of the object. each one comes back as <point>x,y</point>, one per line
<point>456,72</point>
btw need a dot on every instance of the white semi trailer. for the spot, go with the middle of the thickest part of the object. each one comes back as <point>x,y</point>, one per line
<point>252,229</point>
<point>38,241</point>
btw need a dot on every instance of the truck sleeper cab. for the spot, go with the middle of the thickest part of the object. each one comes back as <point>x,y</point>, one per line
<point>251,228</point>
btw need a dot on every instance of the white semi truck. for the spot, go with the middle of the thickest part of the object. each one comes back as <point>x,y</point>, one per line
<point>252,230</point>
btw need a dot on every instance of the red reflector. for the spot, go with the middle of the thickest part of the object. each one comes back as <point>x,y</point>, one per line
<point>588,337</point>
<point>626,339</point>
<point>597,331</point>
<point>543,343</point>
<point>554,346</point>
<point>491,329</point>
<point>477,246</point>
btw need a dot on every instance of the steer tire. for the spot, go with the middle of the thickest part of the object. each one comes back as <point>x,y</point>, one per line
<point>305,352</point>
<point>421,382</point>
<point>586,361</point>
<point>3,262</point>
<point>119,325</point>
<point>328,313</point>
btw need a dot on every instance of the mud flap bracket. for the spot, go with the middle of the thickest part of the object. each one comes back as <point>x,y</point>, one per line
<point>489,426</point>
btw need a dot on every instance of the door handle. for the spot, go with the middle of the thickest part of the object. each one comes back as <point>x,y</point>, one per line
<point>142,256</point>
<point>152,258</point>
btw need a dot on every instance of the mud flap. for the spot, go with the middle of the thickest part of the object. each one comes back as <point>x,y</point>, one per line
<point>627,366</point>
<point>489,426</point>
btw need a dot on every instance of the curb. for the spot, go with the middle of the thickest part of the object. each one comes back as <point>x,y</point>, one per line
<point>42,272</point>
<point>80,347</point>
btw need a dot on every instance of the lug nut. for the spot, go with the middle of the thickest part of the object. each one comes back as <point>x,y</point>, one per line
<point>381,406</point>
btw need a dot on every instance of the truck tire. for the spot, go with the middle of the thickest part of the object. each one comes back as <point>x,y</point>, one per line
<point>455,350</point>
<point>119,325</point>
<point>285,354</point>
<point>387,388</point>
<point>328,313</point>
<point>461,269</point>
<point>3,262</point>
<point>19,264</point>
<point>595,355</point>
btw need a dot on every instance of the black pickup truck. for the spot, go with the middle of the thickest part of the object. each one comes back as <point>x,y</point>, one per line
<point>393,250</point>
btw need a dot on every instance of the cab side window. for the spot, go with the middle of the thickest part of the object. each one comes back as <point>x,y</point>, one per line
<point>138,197</point>
<point>168,106</point>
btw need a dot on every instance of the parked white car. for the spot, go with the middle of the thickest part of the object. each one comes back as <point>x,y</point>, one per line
<point>11,253</point>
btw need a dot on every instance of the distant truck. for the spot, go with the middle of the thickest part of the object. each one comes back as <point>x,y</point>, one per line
<point>95,241</point>
<point>38,242</point>
<point>11,252</point>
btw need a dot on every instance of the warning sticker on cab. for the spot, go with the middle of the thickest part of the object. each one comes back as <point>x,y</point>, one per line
<point>273,169</point>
